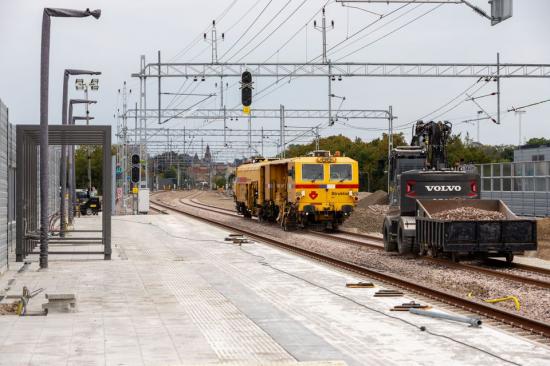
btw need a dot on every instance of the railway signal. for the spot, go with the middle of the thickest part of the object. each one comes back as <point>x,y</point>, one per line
<point>135,168</point>
<point>246,91</point>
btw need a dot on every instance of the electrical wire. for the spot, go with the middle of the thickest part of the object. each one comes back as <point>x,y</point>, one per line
<point>393,31</point>
<point>294,12</point>
<point>383,16</point>
<point>441,107</point>
<point>260,32</point>
<point>248,28</point>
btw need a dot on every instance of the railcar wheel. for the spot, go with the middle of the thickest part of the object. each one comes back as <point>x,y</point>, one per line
<point>509,257</point>
<point>404,243</point>
<point>455,257</point>
<point>389,244</point>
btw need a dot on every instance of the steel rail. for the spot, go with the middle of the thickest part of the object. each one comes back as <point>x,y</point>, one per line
<point>463,266</point>
<point>503,316</point>
<point>378,246</point>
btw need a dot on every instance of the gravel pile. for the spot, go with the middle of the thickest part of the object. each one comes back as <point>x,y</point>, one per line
<point>379,209</point>
<point>8,309</point>
<point>469,214</point>
<point>375,198</point>
<point>535,302</point>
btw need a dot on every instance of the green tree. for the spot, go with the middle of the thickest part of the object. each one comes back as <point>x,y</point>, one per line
<point>219,181</point>
<point>538,141</point>
<point>372,156</point>
<point>81,166</point>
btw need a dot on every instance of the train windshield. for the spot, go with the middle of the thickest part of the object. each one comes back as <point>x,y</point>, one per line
<point>312,172</point>
<point>340,172</point>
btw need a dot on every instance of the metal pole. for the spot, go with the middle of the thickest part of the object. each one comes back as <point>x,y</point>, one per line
<point>329,96</point>
<point>142,117</point>
<point>44,94</point>
<point>145,129</point>
<point>324,31</point>
<point>249,134</point>
<point>390,143</point>
<point>63,165</point>
<point>224,126</point>
<point>88,148</point>
<point>44,189</point>
<point>317,137</point>
<point>474,322</point>
<point>159,87</point>
<point>498,88</point>
<point>72,178</point>
<point>519,113</point>
<point>263,142</point>
<point>283,144</point>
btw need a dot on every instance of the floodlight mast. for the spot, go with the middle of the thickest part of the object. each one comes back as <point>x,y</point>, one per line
<point>93,84</point>
<point>47,14</point>
<point>63,167</point>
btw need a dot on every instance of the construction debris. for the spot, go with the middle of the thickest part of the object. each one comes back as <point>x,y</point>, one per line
<point>360,285</point>
<point>469,214</point>
<point>9,309</point>
<point>507,298</point>
<point>410,305</point>
<point>388,293</point>
<point>61,303</point>
<point>473,322</point>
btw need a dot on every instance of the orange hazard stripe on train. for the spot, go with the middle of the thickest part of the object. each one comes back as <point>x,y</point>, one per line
<point>325,185</point>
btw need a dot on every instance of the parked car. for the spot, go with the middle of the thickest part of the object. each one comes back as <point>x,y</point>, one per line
<point>91,206</point>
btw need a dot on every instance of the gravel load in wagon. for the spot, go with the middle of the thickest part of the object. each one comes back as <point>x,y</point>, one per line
<point>473,226</point>
<point>468,214</point>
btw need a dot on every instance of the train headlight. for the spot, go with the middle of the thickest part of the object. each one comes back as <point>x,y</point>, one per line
<point>351,193</point>
<point>303,193</point>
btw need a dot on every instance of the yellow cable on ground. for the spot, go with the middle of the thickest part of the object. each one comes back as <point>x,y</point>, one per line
<point>500,299</point>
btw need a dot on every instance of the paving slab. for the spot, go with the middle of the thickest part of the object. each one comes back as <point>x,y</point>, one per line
<point>175,293</point>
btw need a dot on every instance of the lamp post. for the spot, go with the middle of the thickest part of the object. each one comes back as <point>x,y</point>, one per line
<point>72,176</point>
<point>63,167</point>
<point>93,84</point>
<point>44,97</point>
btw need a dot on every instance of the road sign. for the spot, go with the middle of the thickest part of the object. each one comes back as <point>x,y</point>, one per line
<point>135,190</point>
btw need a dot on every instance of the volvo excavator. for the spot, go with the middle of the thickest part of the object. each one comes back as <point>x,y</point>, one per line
<point>422,183</point>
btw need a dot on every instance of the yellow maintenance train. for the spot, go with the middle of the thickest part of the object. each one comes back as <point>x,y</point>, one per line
<point>319,190</point>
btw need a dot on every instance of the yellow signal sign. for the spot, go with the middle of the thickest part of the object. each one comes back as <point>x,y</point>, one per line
<point>135,190</point>
<point>246,109</point>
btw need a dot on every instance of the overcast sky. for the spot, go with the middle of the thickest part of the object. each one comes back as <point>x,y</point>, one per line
<point>130,28</point>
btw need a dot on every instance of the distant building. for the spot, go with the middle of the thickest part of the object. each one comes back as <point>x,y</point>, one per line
<point>205,169</point>
<point>523,185</point>
<point>532,153</point>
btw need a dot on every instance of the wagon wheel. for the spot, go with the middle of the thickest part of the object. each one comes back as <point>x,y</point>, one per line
<point>509,257</point>
<point>389,244</point>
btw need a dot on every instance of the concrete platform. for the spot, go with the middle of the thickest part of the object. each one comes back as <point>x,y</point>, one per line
<point>176,293</point>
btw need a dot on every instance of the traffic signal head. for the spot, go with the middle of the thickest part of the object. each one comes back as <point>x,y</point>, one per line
<point>135,174</point>
<point>246,93</point>
<point>246,78</point>
<point>135,159</point>
<point>246,88</point>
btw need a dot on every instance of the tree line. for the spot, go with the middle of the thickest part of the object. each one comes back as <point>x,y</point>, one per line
<point>372,156</point>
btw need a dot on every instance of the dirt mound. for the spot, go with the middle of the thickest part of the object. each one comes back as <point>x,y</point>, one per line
<point>376,198</point>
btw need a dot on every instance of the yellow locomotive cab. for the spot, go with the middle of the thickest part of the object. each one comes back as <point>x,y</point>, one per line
<point>318,190</point>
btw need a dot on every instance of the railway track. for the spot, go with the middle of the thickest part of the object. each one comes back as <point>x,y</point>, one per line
<point>376,243</point>
<point>501,316</point>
